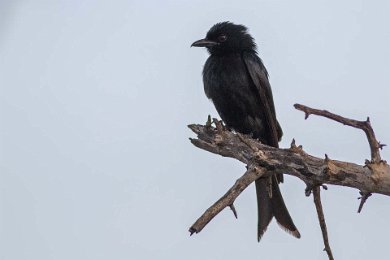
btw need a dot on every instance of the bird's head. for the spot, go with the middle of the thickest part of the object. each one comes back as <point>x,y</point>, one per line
<point>227,37</point>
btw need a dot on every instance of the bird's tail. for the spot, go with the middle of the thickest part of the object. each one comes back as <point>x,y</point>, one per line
<point>270,204</point>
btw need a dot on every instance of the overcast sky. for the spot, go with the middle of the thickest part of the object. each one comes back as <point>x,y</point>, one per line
<point>94,151</point>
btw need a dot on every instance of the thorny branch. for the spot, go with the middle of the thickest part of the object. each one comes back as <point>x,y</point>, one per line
<point>375,146</point>
<point>252,174</point>
<point>262,160</point>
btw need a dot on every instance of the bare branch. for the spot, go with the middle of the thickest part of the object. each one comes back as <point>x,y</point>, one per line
<point>263,160</point>
<point>373,177</point>
<point>227,200</point>
<point>375,146</point>
<point>321,219</point>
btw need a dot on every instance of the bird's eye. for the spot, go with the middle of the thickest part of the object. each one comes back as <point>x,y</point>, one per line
<point>222,38</point>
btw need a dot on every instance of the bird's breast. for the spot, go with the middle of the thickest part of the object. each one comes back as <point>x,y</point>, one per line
<point>228,84</point>
<point>226,75</point>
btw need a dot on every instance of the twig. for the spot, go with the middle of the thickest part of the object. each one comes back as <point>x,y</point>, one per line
<point>375,146</point>
<point>227,200</point>
<point>321,219</point>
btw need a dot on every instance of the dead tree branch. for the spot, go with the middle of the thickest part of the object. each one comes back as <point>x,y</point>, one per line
<point>252,174</point>
<point>363,125</point>
<point>321,219</point>
<point>373,177</point>
<point>263,160</point>
<point>375,145</point>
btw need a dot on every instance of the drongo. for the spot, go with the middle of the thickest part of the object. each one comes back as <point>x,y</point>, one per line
<point>236,81</point>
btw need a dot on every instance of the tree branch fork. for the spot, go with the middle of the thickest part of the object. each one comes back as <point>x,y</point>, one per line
<point>262,160</point>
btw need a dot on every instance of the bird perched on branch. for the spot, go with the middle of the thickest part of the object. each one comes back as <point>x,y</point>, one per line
<point>236,80</point>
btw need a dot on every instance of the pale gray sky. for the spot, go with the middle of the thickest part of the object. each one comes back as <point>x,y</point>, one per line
<point>95,98</point>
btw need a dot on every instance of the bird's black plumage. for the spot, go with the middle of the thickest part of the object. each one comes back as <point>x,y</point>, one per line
<point>236,80</point>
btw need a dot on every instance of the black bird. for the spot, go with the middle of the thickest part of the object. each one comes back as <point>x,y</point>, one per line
<point>236,80</point>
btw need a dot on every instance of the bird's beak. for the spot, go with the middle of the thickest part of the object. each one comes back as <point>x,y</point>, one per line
<point>204,43</point>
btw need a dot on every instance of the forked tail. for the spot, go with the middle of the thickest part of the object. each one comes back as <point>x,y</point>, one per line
<point>270,204</point>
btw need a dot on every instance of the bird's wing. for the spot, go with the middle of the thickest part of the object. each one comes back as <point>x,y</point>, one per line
<point>259,76</point>
<point>268,203</point>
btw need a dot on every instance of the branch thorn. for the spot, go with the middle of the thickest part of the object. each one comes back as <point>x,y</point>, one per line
<point>234,210</point>
<point>381,145</point>
<point>363,199</point>
<point>292,145</point>
<point>208,122</point>
<point>218,125</point>
<point>327,158</point>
